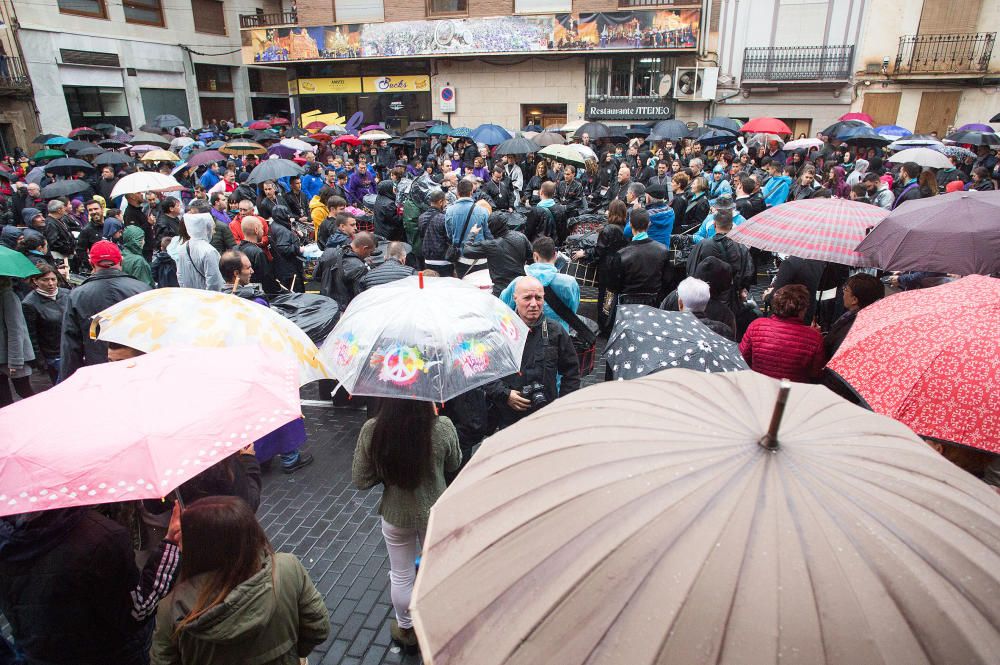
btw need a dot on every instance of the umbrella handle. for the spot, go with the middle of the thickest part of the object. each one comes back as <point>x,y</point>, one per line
<point>770,440</point>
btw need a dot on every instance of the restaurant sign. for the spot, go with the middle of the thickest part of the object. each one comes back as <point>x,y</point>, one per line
<point>380,84</point>
<point>630,109</point>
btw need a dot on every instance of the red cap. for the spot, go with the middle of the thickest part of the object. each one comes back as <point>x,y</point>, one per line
<point>105,252</point>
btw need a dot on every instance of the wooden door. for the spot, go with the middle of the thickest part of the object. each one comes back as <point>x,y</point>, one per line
<point>937,112</point>
<point>883,107</point>
<point>553,119</point>
<point>217,108</point>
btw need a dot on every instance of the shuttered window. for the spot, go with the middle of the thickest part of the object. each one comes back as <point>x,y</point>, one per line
<point>939,17</point>
<point>209,17</point>
<point>360,11</point>
<point>144,12</point>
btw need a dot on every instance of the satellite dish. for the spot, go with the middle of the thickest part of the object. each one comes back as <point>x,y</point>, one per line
<point>666,85</point>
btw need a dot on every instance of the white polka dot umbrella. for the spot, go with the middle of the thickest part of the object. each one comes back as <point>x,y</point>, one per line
<point>139,428</point>
<point>646,340</point>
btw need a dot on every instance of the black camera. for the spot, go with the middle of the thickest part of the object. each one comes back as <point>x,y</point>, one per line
<point>535,393</point>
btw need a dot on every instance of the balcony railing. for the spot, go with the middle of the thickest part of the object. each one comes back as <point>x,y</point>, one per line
<point>625,4</point>
<point>268,20</point>
<point>946,53</point>
<point>13,74</point>
<point>798,63</point>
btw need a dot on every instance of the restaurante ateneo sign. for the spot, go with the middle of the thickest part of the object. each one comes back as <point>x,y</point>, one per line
<point>628,109</point>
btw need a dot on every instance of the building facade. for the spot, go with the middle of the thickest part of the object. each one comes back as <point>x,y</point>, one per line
<point>18,116</point>
<point>124,63</point>
<point>511,62</point>
<point>929,66</point>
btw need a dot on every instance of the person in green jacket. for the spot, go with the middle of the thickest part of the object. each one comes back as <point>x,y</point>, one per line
<point>133,262</point>
<point>407,448</point>
<point>236,601</point>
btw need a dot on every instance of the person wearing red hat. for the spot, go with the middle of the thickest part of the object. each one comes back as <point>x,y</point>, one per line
<point>106,286</point>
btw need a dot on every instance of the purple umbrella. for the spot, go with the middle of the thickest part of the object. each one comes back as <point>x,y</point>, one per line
<point>282,151</point>
<point>143,148</point>
<point>975,127</point>
<point>206,157</point>
<point>371,127</point>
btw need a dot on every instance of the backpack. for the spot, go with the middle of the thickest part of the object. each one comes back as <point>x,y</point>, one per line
<point>411,226</point>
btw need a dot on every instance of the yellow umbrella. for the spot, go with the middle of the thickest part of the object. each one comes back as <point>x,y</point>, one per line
<point>160,156</point>
<point>191,317</point>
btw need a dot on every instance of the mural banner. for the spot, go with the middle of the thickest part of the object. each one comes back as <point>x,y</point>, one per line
<point>664,29</point>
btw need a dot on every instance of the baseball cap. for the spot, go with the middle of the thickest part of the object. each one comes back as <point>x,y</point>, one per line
<point>105,253</point>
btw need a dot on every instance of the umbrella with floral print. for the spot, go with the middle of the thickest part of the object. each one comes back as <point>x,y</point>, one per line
<point>646,340</point>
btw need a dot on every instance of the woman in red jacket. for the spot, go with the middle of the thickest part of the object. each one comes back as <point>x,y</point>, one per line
<point>782,346</point>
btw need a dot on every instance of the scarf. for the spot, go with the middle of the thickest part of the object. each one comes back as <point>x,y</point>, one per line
<point>50,296</point>
<point>640,236</point>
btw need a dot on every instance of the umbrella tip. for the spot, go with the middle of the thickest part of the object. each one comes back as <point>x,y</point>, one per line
<point>770,440</point>
<point>420,278</point>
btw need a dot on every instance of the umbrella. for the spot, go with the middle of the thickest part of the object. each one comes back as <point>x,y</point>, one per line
<point>47,154</point>
<point>273,169</point>
<point>180,142</point>
<point>804,144</point>
<point>572,126</point>
<point>820,229</point>
<point>915,141</point>
<point>15,264</point>
<point>863,136</point>
<point>58,141</point>
<point>595,130</point>
<point>638,522</point>
<point>929,358</point>
<point>174,317</point>
<point>112,144</point>
<point>64,188</point>
<point>140,454</point>
<point>215,145</point>
<point>548,138</point>
<point>242,147</point>
<point>531,128</point>
<point>490,134</point>
<point>42,138</point>
<point>974,138</point>
<point>85,132</point>
<point>319,137</point>
<point>439,130</point>
<point>416,134</point>
<point>191,148</point>
<point>615,135</point>
<point>563,153</point>
<point>348,139</point>
<point>766,125</point>
<point>298,145</point>
<point>281,151</point>
<point>315,125</point>
<point>637,132</point>
<point>237,131</point>
<point>646,339</point>
<point>995,118</point>
<point>728,124</point>
<point>953,233</point>
<point>160,156</point>
<point>712,137</point>
<point>149,138</point>
<point>375,135</point>
<point>670,130</point>
<point>923,156</point>
<point>167,121</point>
<point>112,159</point>
<point>264,135</point>
<point>74,146</point>
<point>376,127</point>
<point>894,132</point>
<point>278,122</point>
<point>333,129</point>
<point>90,151</point>
<point>294,131</point>
<point>140,149</point>
<point>68,166</point>
<point>764,139</point>
<point>460,133</point>
<point>975,127</point>
<point>862,117</point>
<point>517,146</point>
<point>259,124</point>
<point>838,128</point>
<point>584,151</point>
<point>955,151</point>
<point>145,181</point>
<point>422,341</point>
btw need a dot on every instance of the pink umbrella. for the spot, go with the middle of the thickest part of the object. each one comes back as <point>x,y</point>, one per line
<point>206,157</point>
<point>143,148</point>
<point>220,401</point>
<point>259,124</point>
<point>863,117</point>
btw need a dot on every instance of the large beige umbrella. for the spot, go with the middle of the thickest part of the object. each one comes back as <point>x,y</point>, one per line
<point>649,521</point>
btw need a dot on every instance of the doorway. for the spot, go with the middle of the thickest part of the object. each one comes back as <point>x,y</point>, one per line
<point>937,112</point>
<point>543,115</point>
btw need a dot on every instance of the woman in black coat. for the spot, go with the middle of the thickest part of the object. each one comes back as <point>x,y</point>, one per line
<point>43,313</point>
<point>388,222</point>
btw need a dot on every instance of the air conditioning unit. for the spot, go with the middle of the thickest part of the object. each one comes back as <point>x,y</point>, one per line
<point>695,84</point>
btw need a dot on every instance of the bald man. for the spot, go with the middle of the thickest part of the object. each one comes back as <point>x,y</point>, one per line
<point>549,365</point>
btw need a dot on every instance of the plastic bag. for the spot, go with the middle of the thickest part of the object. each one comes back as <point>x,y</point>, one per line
<point>316,315</point>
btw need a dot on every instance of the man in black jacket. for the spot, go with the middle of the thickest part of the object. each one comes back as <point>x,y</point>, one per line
<point>89,234</point>
<point>435,236</point>
<point>57,233</point>
<point>569,193</point>
<point>107,286</point>
<point>733,253</point>
<point>645,273</point>
<point>619,188</point>
<point>286,248</point>
<point>547,218</point>
<point>340,271</point>
<point>263,273</point>
<point>506,253</point>
<point>393,268</point>
<point>497,191</point>
<point>548,354</point>
<point>134,216</point>
<point>168,222</point>
<point>296,200</point>
<point>388,222</point>
<point>749,200</point>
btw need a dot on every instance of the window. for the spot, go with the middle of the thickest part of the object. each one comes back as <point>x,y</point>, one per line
<point>87,105</point>
<point>94,8</point>
<point>209,17</point>
<point>359,11</point>
<point>213,78</point>
<point>447,7</point>
<point>626,77</point>
<point>542,6</point>
<point>146,12</point>
<point>161,101</point>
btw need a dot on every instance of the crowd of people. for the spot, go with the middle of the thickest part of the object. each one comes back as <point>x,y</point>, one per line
<point>650,217</point>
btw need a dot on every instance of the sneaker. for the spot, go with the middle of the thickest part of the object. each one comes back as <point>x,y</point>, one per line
<point>305,459</point>
<point>406,638</point>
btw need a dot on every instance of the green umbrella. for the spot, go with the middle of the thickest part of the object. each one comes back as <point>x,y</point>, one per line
<point>562,153</point>
<point>237,130</point>
<point>15,264</point>
<point>48,154</point>
<point>443,130</point>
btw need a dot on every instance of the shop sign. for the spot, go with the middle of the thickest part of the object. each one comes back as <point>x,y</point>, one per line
<point>630,109</point>
<point>381,84</point>
<point>293,87</point>
<point>329,86</point>
<point>396,106</point>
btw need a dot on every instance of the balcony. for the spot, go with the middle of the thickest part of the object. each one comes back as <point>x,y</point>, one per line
<point>13,75</point>
<point>945,54</point>
<point>798,63</point>
<point>632,4</point>
<point>275,20</point>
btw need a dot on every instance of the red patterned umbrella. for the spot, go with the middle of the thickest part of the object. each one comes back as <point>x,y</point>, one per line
<point>863,117</point>
<point>260,125</point>
<point>347,138</point>
<point>315,125</point>
<point>821,229</point>
<point>930,358</point>
<point>766,126</point>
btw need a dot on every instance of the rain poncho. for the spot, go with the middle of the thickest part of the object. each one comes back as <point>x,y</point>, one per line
<point>132,261</point>
<point>776,190</point>
<point>197,260</point>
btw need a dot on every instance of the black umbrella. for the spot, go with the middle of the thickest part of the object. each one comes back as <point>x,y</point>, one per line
<point>90,151</point>
<point>64,188</point>
<point>400,143</point>
<point>596,130</point>
<point>995,118</point>
<point>168,121</point>
<point>974,138</point>
<point>637,132</point>
<point>842,127</point>
<point>112,144</point>
<point>294,131</point>
<point>415,134</point>
<point>259,135</point>
<point>646,340</point>
<point>74,146</point>
<point>864,136</point>
<point>42,138</point>
<point>615,135</point>
<point>272,169</point>
<point>150,138</point>
<point>670,130</point>
<point>7,175</point>
<point>712,136</point>
<point>103,126</point>
<point>112,159</point>
<point>68,166</point>
<point>517,146</point>
<point>721,122</point>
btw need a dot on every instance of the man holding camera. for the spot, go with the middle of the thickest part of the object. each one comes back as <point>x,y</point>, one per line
<point>549,365</point>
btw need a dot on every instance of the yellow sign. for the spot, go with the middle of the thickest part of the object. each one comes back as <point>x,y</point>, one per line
<point>329,86</point>
<point>397,84</point>
<point>328,118</point>
<point>293,87</point>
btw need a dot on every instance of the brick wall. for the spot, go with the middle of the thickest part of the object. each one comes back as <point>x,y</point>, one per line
<point>404,10</point>
<point>315,12</point>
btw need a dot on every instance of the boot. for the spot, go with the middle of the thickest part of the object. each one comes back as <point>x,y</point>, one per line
<point>406,638</point>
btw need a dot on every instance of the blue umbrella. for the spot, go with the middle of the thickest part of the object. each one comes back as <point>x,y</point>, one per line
<point>215,145</point>
<point>974,127</point>
<point>490,134</point>
<point>720,122</point>
<point>440,130</point>
<point>893,132</point>
<point>532,128</point>
<point>460,133</point>
<point>716,137</point>
<point>58,140</point>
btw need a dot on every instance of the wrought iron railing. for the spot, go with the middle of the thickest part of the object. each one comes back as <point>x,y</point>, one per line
<point>945,53</point>
<point>268,20</point>
<point>13,74</point>
<point>798,63</point>
<point>644,3</point>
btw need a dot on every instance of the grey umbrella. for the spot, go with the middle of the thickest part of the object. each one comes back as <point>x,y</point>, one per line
<point>64,188</point>
<point>112,159</point>
<point>90,151</point>
<point>168,121</point>
<point>672,130</point>
<point>68,166</point>
<point>517,146</point>
<point>595,130</point>
<point>646,340</point>
<point>547,138</point>
<point>272,169</point>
